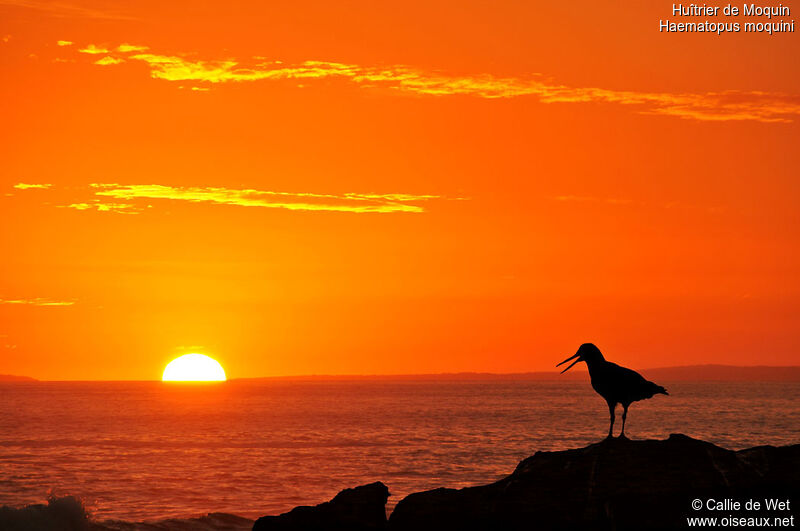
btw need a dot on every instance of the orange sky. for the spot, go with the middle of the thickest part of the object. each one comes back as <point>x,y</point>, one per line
<point>391,187</point>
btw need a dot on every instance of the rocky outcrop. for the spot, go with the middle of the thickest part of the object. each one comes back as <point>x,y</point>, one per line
<point>617,484</point>
<point>59,514</point>
<point>360,509</point>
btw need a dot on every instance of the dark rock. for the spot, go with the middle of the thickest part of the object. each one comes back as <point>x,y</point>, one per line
<point>616,484</point>
<point>64,513</point>
<point>360,509</point>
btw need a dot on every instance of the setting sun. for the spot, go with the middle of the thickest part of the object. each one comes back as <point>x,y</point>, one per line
<point>193,368</point>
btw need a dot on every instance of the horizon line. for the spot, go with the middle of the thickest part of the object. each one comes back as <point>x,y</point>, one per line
<point>451,375</point>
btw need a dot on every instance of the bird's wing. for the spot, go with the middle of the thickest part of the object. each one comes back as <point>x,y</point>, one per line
<point>633,385</point>
<point>626,375</point>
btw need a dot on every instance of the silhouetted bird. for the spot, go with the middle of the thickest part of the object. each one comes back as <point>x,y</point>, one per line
<point>616,384</point>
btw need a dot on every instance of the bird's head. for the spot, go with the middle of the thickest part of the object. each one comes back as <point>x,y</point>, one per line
<point>587,352</point>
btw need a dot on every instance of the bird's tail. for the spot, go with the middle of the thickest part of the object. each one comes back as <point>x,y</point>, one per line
<point>655,389</point>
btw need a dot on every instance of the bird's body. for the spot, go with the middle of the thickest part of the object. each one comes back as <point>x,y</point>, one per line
<point>618,385</point>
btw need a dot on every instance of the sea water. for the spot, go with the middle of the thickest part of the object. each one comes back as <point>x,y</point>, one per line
<point>149,450</point>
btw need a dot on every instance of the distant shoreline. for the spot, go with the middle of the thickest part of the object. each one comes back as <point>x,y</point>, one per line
<point>729,373</point>
<point>14,378</point>
<point>688,373</point>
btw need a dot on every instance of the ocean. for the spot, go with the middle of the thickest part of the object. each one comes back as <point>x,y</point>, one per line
<point>144,451</point>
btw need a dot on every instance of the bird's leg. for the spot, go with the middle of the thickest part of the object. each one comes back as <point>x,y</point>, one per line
<point>611,408</point>
<point>624,415</point>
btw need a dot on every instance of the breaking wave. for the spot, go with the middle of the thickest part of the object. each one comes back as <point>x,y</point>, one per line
<point>68,513</point>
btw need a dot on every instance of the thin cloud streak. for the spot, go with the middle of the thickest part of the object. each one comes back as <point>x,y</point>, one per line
<point>120,208</point>
<point>125,48</point>
<point>38,301</point>
<point>710,106</point>
<point>26,186</point>
<point>108,60</point>
<point>300,201</point>
<point>93,49</point>
<point>136,198</point>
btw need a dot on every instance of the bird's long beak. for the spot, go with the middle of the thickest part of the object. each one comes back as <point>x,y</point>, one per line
<point>570,366</point>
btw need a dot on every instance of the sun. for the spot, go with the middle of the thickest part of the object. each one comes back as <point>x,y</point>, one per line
<point>193,368</point>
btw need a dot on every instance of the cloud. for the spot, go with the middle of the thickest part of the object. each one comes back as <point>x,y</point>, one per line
<point>38,301</point>
<point>125,48</point>
<point>25,186</point>
<point>120,208</point>
<point>108,60</point>
<point>173,68</point>
<point>135,198</point>
<point>64,43</point>
<point>93,49</point>
<point>64,9</point>
<point>708,106</point>
<point>298,201</point>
